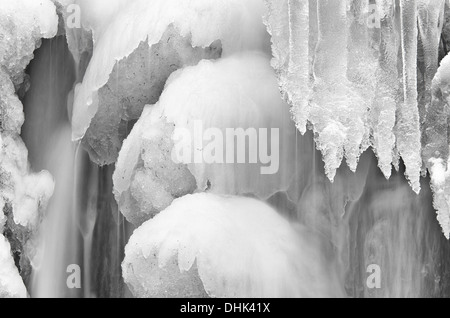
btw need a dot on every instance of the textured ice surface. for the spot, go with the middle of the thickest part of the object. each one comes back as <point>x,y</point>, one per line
<point>22,24</point>
<point>11,109</point>
<point>2,215</point>
<point>436,151</point>
<point>239,247</point>
<point>23,194</point>
<point>11,284</point>
<point>206,95</point>
<point>369,81</point>
<point>27,192</point>
<point>136,81</point>
<point>335,101</point>
<point>289,25</point>
<point>236,23</point>
<point>146,180</point>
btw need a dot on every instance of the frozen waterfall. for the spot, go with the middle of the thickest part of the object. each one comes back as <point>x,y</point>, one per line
<point>224,148</point>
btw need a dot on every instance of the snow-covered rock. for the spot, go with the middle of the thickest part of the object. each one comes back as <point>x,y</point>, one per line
<point>238,247</point>
<point>23,194</point>
<point>168,154</point>
<point>119,30</point>
<point>22,25</point>
<point>436,150</point>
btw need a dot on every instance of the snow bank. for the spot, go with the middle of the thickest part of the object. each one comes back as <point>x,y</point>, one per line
<point>239,247</point>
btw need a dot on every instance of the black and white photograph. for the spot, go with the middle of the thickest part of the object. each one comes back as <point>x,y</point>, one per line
<point>224,153</point>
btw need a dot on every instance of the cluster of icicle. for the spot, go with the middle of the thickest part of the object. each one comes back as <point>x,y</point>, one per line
<point>363,74</point>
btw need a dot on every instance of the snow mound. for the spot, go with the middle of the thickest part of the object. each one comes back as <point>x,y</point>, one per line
<point>234,93</point>
<point>240,247</point>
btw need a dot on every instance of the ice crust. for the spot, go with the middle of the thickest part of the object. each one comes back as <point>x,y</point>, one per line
<point>23,193</point>
<point>238,247</point>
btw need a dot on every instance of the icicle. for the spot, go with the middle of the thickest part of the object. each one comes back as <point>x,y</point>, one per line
<point>430,23</point>
<point>288,22</point>
<point>362,67</point>
<point>338,113</point>
<point>408,128</point>
<point>384,108</point>
<point>298,72</point>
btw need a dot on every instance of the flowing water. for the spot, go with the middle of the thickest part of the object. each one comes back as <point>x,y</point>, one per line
<point>361,220</point>
<point>82,208</point>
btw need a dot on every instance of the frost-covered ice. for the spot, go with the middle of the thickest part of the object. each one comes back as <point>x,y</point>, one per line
<point>238,247</point>
<point>436,151</point>
<point>23,23</point>
<point>146,180</point>
<point>136,81</point>
<point>119,31</point>
<point>369,82</point>
<point>2,215</point>
<point>206,94</point>
<point>11,284</point>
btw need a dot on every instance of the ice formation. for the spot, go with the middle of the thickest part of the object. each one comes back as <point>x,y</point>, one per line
<point>149,175</point>
<point>121,29</point>
<point>239,247</point>
<point>146,180</point>
<point>134,82</point>
<point>436,151</point>
<point>11,284</point>
<point>23,194</point>
<point>360,74</point>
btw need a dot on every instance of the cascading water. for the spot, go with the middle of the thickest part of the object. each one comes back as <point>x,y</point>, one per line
<point>116,94</point>
<point>47,136</point>
<point>67,232</point>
